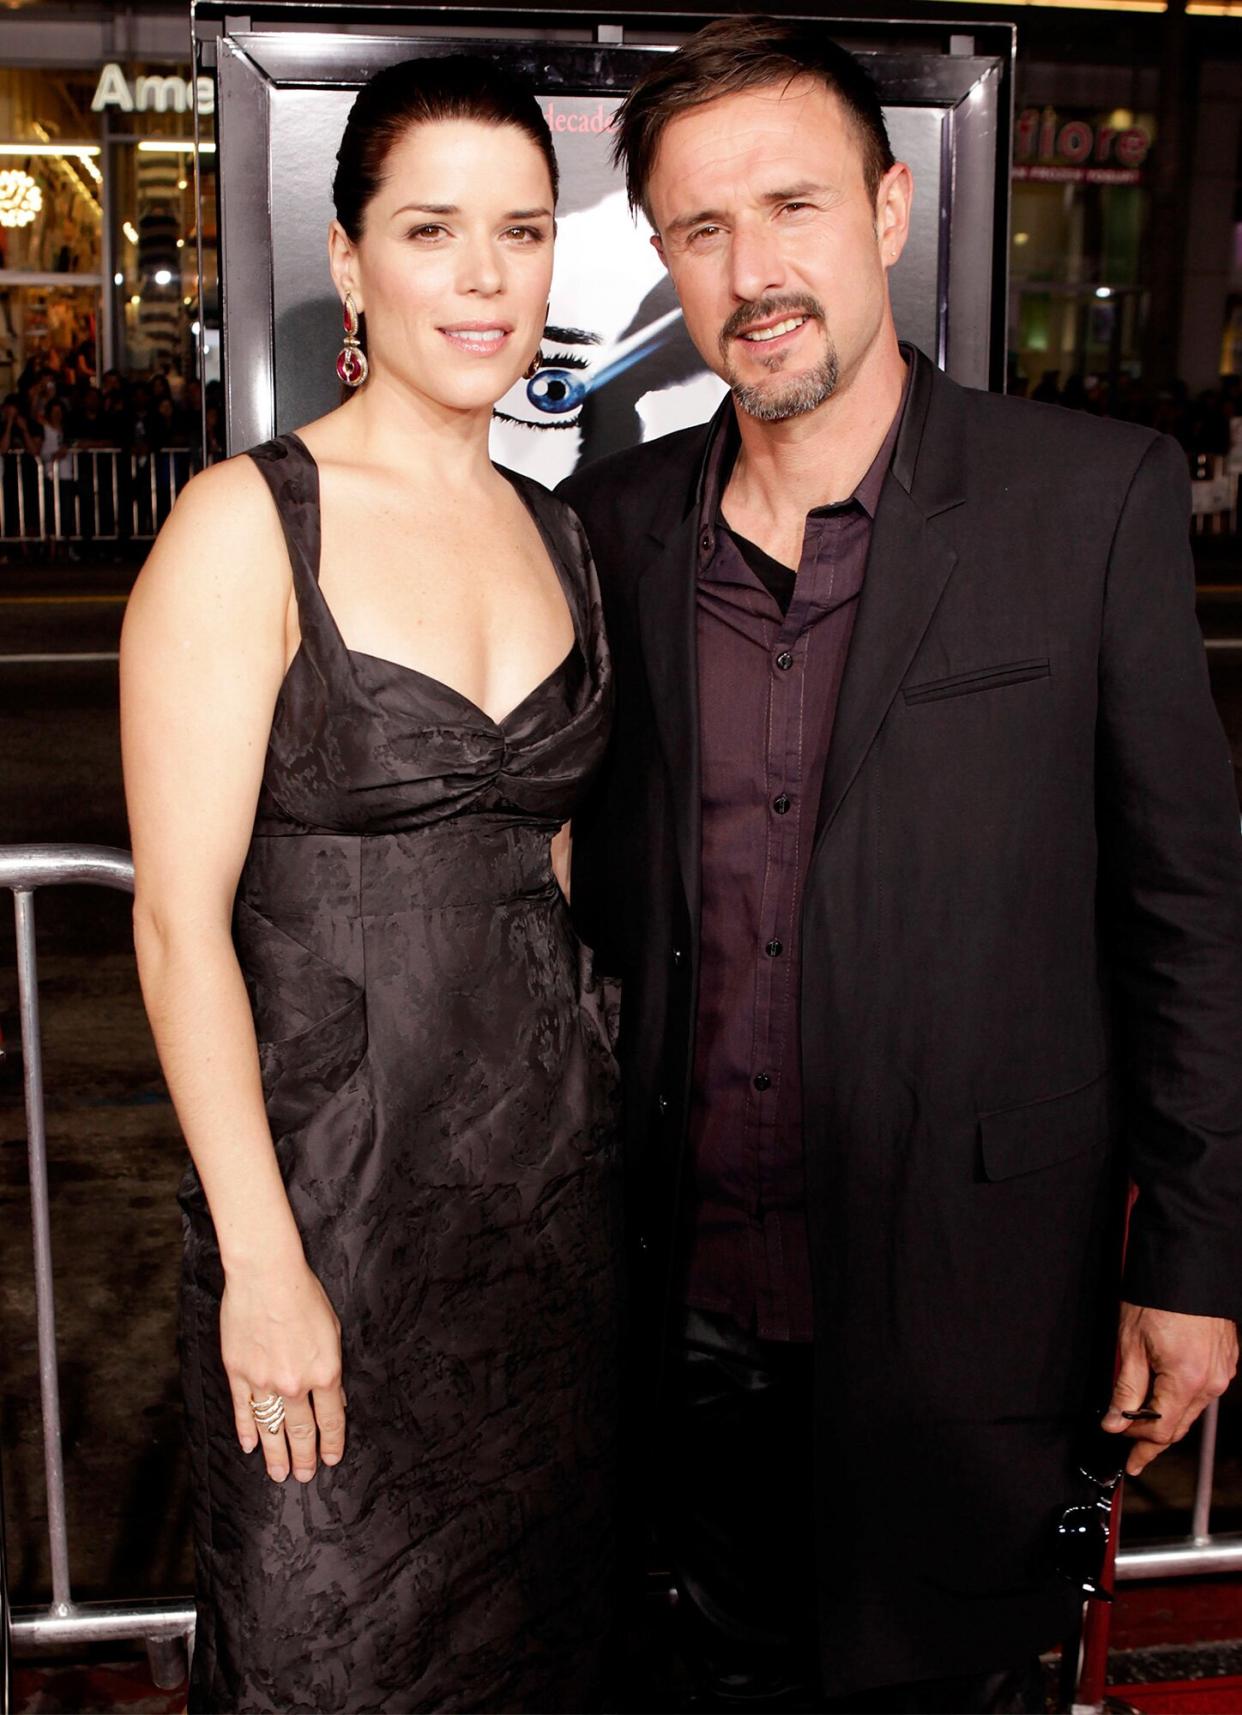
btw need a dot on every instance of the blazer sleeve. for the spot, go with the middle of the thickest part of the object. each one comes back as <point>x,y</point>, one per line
<point>1170,896</point>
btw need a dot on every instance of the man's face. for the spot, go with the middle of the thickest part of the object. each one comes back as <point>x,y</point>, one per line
<point>778,254</point>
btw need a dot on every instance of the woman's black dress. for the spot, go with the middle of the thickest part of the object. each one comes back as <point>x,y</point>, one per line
<point>442,1093</point>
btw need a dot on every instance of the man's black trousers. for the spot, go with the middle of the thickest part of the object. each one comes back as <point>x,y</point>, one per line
<point>737,1522</point>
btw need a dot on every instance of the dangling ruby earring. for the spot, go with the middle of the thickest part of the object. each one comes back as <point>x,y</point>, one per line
<point>351,365</point>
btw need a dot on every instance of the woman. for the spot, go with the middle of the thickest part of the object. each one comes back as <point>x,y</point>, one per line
<point>364,686</point>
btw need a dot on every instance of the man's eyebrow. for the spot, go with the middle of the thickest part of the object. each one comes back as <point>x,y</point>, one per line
<point>572,336</point>
<point>806,188</point>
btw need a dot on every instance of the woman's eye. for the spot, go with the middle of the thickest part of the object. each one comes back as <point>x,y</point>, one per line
<point>430,230</point>
<point>525,234</point>
<point>556,391</point>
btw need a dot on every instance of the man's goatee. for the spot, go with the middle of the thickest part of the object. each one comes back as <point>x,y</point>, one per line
<point>772,402</point>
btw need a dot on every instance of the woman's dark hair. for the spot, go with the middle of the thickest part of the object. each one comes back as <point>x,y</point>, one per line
<point>739,53</point>
<point>418,92</point>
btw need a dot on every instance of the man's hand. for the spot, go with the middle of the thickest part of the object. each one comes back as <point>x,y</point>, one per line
<point>1173,1364</point>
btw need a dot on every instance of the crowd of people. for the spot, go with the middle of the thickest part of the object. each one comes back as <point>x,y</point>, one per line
<point>58,409</point>
<point>75,488</point>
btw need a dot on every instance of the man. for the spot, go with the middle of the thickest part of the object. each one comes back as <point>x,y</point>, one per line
<point>918,855</point>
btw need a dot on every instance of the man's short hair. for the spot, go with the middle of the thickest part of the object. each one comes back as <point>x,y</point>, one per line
<point>748,52</point>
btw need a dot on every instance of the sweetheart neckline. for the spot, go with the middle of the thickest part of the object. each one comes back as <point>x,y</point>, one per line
<point>443,684</point>
<point>554,559</point>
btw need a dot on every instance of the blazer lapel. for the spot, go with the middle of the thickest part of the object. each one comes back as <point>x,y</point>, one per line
<point>908,566</point>
<point>668,628</point>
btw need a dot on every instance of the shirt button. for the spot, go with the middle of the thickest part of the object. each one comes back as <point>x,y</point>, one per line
<point>662,1104</point>
<point>677,955</point>
<point>774,949</point>
<point>781,804</point>
<point>761,1081</point>
<point>705,542</point>
<point>784,660</point>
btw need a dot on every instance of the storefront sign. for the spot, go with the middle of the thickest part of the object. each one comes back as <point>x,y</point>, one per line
<point>169,94</point>
<point>1079,149</point>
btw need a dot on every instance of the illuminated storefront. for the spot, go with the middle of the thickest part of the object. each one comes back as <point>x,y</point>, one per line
<point>1079,228</point>
<point>99,240</point>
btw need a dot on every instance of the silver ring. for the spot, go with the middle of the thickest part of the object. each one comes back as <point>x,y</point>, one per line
<point>268,1411</point>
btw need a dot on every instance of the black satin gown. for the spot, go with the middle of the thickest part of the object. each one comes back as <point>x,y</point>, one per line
<point>442,1092</point>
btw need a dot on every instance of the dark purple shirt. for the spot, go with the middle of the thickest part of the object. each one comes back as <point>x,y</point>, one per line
<point>768,686</point>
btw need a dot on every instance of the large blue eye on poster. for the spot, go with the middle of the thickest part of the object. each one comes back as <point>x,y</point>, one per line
<point>617,366</point>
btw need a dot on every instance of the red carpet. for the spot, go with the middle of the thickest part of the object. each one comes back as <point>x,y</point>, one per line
<point>103,1686</point>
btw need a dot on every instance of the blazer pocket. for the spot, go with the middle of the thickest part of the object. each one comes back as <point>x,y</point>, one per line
<point>980,679</point>
<point>1043,1133</point>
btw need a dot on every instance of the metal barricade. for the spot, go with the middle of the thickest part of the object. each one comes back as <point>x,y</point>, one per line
<point>1200,1553</point>
<point>95,494</point>
<point>166,1627</point>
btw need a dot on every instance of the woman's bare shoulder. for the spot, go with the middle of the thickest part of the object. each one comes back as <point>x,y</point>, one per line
<point>226,507</point>
<point>222,540</point>
<point>226,495</point>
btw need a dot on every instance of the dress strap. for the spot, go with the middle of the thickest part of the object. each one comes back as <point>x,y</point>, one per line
<point>293,478</point>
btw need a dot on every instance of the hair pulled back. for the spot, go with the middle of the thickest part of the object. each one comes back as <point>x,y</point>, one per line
<point>419,92</point>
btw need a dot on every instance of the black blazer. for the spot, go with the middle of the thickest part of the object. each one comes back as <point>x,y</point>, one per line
<point>1022,981</point>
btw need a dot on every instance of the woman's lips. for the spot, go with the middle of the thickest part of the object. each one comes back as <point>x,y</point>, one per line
<point>483,339</point>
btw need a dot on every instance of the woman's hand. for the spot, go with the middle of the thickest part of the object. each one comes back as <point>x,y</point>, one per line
<point>279,1335</point>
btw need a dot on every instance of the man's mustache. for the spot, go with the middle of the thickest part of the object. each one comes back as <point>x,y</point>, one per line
<point>746,316</point>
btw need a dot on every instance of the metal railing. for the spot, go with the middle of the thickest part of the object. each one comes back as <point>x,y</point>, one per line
<point>1200,1553</point>
<point>166,1627</point>
<point>105,494</point>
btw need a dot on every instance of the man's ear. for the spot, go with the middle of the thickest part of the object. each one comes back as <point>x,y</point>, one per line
<point>658,247</point>
<point>893,202</point>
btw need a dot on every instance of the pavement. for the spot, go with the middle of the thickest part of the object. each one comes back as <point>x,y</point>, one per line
<point>117,1156</point>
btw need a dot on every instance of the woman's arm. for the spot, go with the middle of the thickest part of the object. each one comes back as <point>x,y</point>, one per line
<point>202,657</point>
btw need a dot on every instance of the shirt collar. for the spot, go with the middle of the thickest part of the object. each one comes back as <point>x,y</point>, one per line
<point>726,439</point>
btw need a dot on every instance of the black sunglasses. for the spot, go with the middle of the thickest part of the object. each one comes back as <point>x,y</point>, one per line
<point>1082,1529</point>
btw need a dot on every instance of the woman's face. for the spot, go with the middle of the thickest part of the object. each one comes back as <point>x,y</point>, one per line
<point>454,265</point>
